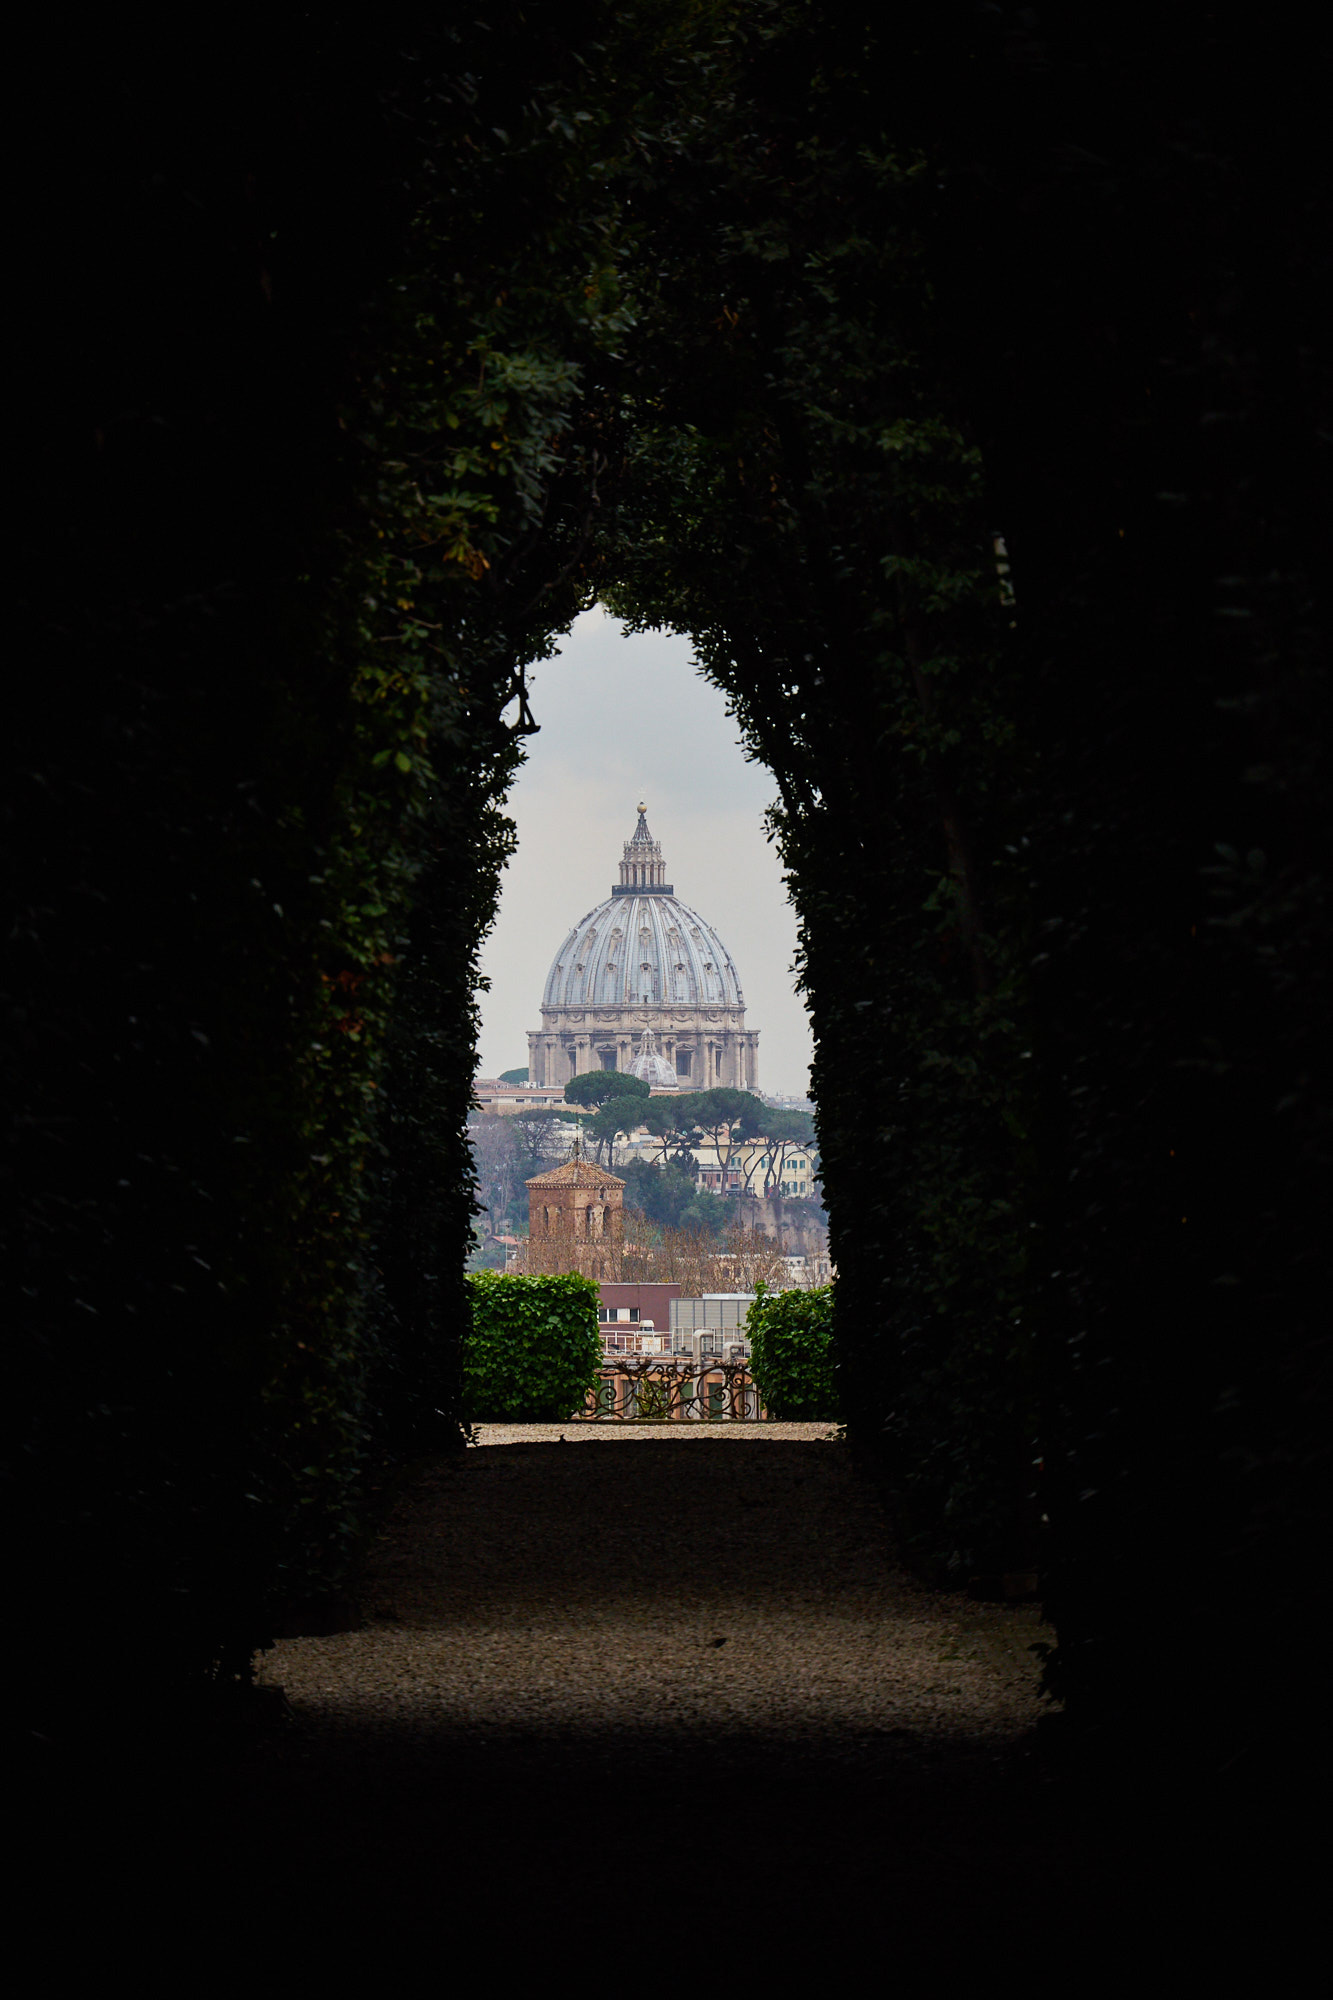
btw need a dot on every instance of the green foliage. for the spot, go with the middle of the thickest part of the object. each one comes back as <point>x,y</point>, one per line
<point>710,1112</point>
<point>801,500</point>
<point>792,1350</point>
<point>721,1117</point>
<point>662,1117</point>
<point>705,1211</point>
<point>607,1125</point>
<point>784,1135</point>
<point>599,1086</point>
<point>513,1076</point>
<point>788,1128</point>
<point>533,1349</point>
<point>344,505</point>
<point>661,1193</point>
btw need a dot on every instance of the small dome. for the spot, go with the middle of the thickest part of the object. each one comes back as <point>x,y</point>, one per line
<point>651,1065</point>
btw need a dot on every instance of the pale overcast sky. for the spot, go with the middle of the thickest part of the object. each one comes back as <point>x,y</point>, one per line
<point>627,717</point>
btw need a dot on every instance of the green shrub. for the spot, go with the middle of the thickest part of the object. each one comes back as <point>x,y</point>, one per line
<point>533,1350</point>
<point>791,1344</point>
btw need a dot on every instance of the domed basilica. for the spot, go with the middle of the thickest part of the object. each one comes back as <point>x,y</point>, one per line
<point>642,984</point>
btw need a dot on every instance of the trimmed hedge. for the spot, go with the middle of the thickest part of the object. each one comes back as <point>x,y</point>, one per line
<point>533,1349</point>
<point>791,1346</point>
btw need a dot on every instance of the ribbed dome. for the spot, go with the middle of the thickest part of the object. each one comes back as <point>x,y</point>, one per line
<point>643,946</point>
<point>643,949</point>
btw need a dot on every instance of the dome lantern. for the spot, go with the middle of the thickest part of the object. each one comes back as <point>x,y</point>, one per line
<point>642,869</point>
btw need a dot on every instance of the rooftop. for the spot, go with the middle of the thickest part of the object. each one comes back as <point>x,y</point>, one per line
<point>576,1173</point>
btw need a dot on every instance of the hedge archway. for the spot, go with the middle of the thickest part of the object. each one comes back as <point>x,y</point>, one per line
<point>790,335</point>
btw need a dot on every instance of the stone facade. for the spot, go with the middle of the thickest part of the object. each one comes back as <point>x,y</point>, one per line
<point>644,960</point>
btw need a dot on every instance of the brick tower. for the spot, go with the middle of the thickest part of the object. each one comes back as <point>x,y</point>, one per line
<point>575,1213</point>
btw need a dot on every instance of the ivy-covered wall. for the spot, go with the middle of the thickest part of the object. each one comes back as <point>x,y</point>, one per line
<point>303,495</point>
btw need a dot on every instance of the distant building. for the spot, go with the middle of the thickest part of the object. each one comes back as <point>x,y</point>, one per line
<point>754,1166</point>
<point>643,984</point>
<point>713,1324</point>
<point>632,1304</point>
<point>806,1273</point>
<point>787,1171</point>
<point>491,1094</point>
<point>636,1318</point>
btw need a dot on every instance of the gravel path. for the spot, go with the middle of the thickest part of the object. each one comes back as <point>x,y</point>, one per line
<point>659,1713</point>
<point>672,1699</point>
<point>612,1432</point>
<point>736,1581</point>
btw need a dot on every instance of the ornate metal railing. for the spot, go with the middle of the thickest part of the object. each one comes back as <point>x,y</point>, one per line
<point>674,1388</point>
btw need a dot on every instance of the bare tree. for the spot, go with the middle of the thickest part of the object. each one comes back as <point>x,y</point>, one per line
<point>651,1253</point>
<point>495,1155</point>
<point>696,1260</point>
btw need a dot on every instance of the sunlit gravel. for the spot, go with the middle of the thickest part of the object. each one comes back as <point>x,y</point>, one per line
<point>685,1595</point>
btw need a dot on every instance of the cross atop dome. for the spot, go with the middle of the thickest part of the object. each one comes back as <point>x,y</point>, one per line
<point>642,870</point>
